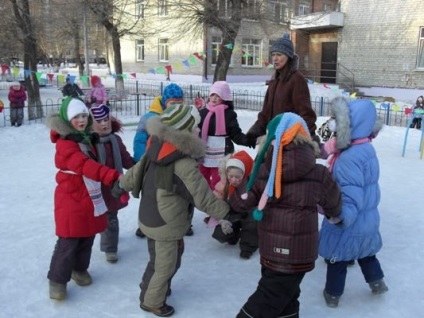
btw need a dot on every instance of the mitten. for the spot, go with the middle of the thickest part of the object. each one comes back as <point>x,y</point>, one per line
<point>199,102</point>
<point>116,190</point>
<point>330,146</point>
<point>124,198</point>
<point>226,226</point>
<point>251,141</point>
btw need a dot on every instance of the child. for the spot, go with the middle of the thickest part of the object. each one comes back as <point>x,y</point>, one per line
<point>286,185</point>
<point>78,205</point>
<point>235,173</point>
<point>71,88</point>
<point>419,105</point>
<point>98,93</point>
<point>219,129</point>
<point>171,186</point>
<point>111,152</point>
<point>17,98</point>
<point>354,164</point>
<point>172,95</point>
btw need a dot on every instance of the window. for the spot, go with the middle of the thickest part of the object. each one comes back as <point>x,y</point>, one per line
<point>162,7</point>
<point>420,56</point>
<point>163,50</point>
<point>216,45</point>
<point>251,8</point>
<point>139,9</point>
<point>251,50</point>
<point>271,42</point>
<point>224,8</point>
<point>328,7</point>
<point>278,9</point>
<point>139,50</point>
<point>303,9</point>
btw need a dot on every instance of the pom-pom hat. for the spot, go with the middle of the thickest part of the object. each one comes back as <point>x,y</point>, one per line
<point>241,160</point>
<point>71,107</point>
<point>221,89</point>
<point>172,91</point>
<point>281,130</point>
<point>181,117</point>
<point>283,45</point>
<point>95,80</point>
<point>100,112</point>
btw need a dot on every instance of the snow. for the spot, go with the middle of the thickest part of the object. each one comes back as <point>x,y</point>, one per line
<point>213,281</point>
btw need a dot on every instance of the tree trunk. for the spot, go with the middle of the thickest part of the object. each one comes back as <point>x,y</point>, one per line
<point>23,21</point>
<point>116,45</point>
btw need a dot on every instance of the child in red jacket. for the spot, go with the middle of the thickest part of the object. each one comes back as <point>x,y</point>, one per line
<point>111,152</point>
<point>17,98</point>
<point>79,208</point>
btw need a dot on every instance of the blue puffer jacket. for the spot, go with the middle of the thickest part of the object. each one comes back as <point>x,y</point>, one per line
<point>357,172</point>
<point>141,136</point>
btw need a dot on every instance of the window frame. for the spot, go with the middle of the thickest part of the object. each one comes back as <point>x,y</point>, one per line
<point>139,8</point>
<point>420,50</point>
<point>137,50</point>
<point>282,7</point>
<point>249,47</point>
<point>163,49</point>
<point>162,8</point>
<point>304,9</point>
<point>216,49</point>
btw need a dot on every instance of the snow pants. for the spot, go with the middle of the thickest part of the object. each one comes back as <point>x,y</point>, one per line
<point>109,238</point>
<point>16,116</point>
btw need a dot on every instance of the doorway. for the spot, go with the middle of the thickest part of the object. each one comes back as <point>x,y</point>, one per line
<point>329,62</point>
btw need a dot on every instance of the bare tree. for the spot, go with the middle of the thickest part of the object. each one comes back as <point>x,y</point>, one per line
<point>23,21</point>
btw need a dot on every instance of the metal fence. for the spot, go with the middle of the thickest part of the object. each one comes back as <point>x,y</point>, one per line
<point>134,100</point>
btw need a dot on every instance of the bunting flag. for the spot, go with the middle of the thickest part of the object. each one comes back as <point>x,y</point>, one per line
<point>270,66</point>
<point>85,79</point>
<point>197,54</point>
<point>178,65</point>
<point>229,46</point>
<point>160,70</point>
<point>186,63</point>
<point>133,75</point>
<point>325,85</point>
<point>152,71</point>
<point>124,76</point>
<point>4,68</point>
<point>192,60</point>
<point>50,76</point>
<point>169,68</point>
<point>27,73</point>
<point>15,71</point>
<point>353,95</point>
<point>60,78</point>
<point>266,63</point>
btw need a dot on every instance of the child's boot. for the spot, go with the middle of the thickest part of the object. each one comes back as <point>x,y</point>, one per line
<point>378,287</point>
<point>331,301</point>
<point>57,291</point>
<point>81,278</point>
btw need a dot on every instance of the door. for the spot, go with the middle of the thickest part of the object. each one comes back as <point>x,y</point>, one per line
<point>329,62</point>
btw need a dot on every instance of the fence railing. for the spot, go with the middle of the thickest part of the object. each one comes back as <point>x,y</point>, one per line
<point>136,98</point>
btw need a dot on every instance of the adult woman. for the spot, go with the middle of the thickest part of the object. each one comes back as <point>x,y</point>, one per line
<point>287,91</point>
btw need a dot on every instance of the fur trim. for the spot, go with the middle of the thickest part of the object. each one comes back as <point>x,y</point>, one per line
<point>186,142</point>
<point>55,123</point>
<point>340,110</point>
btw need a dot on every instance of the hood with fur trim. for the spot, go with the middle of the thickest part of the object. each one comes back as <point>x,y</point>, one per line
<point>355,119</point>
<point>168,144</point>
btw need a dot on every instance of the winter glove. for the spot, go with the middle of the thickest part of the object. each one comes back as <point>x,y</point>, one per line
<point>330,146</point>
<point>226,226</point>
<point>116,190</point>
<point>251,142</point>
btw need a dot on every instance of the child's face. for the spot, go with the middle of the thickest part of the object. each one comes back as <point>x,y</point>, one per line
<point>215,99</point>
<point>103,127</point>
<point>234,176</point>
<point>173,101</point>
<point>80,122</point>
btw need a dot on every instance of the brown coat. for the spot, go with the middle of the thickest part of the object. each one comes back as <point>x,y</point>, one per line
<point>288,93</point>
<point>288,232</point>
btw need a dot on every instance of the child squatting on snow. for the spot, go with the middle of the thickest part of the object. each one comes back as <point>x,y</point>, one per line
<point>354,234</point>
<point>111,152</point>
<point>79,208</point>
<point>234,174</point>
<point>171,186</point>
<point>285,187</point>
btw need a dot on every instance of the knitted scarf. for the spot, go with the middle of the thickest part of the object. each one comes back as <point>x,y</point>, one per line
<point>101,151</point>
<point>219,112</point>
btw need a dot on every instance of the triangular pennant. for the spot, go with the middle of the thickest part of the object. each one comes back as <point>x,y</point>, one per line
<point>152,71</point>
<point>133,75</point>
<point>38,75</point>
<point>15,71</point>
<point>169,68</point>
<point>27,73</point>
<point>160,70</point>
<point>229,46</point>
<point>192,60</point>
<point>198,55</point>
<point>186,63</point>
<point>4,68</point>
<point>50,76</point>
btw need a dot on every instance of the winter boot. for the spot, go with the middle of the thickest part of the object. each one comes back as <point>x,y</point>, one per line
<point>190,231</point>
<point>164,311</point>
<point>57,291</point>
<point>111,257</point>
<point>331,301</point>
<point>378,287</point>
<point>245,254</point>
<point>81,278</point>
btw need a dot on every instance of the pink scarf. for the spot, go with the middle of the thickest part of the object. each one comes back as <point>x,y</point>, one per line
<point>219,112</point>
<point>336,155</point>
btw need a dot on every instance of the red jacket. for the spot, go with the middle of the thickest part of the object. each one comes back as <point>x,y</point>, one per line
<point>17,98</point>
<point>73,208</point>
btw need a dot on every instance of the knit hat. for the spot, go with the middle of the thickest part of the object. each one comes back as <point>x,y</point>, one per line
<point>95,80</point>
<point>221,89</point>
<point>72,107</point>
<point>283,129</point>
<point>15,84</point>
<point>181,117</point>
<point>172,91</point>
<point>283,45</point>
<point>241,160</point>
<point>100,112</point>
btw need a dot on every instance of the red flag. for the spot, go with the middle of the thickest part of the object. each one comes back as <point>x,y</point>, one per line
<point>198,56</point>
<point>4,68</point>
<point>133,74</point>
<point>50,76</point>
<point>169,68</point>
